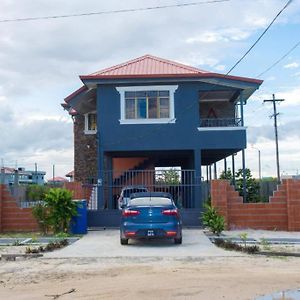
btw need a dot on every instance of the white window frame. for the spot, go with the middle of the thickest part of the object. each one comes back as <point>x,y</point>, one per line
<point>86,123</point>
<point>170,88</point>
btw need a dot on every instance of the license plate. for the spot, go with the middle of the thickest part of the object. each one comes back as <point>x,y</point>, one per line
<point>150,233</point>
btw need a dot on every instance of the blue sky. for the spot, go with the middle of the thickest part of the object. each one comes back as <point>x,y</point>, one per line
<point>40,63</point>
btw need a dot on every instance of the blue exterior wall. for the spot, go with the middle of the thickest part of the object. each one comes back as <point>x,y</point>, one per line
<point>182,135</point>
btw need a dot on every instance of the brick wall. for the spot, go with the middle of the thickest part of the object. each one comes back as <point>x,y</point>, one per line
<point>85,152</point>
<point>79,190</point>
<point>12,217</point>
<point>281,213</point>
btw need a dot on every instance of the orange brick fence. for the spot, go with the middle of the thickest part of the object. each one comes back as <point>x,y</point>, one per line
<point>12,217</point>
<point>282,212</point>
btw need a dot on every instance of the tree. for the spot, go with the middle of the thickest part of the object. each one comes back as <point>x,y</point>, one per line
<point>226,174</point>
<point>169,177</point>
<point>252,185</point>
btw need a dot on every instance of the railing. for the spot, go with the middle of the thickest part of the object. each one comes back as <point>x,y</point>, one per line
<point>220,122</point>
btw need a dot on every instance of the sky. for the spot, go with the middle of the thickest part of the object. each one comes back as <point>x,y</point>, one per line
<point>40,62</point>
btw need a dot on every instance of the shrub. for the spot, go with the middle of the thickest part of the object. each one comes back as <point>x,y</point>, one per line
<point>41,214</point>
<point>56,212</point>
<point>214,221</point>
<point>61,209</point>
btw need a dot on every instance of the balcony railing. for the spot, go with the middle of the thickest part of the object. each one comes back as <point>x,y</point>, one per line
<point>220,122</point>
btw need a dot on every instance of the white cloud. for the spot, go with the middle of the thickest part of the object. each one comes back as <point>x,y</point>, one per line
<point>292,97</point>
<point>293,65</point>
<point>220,67</point>
<point>225,35</point>
<point>40,61</point>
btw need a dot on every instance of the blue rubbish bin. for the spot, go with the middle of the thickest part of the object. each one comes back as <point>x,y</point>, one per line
<point>79,222</point>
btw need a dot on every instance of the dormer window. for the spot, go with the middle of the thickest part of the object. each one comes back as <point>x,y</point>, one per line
<point>90,123</point>
<point>147,104</point>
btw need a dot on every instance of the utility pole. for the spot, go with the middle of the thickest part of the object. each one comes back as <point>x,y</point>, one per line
<point>274,101</point>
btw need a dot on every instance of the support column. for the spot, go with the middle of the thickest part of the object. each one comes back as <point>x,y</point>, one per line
<point>243,151</point>
<point>100,181</point>
<point>109,179</point>
<point>215,171</point>
<point>198,201</point>
<point>233,169</point>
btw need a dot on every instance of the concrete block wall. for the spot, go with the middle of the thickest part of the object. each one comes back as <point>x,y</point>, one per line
<point>282,212</point>
<point>12,217</point>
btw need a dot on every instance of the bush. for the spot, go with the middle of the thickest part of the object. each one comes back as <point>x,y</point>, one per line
<point>213,220</point>
<point>41,214</point>
<point>61,209</point>
<point>56,212</point>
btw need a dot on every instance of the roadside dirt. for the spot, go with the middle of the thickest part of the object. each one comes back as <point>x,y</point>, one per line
<point>243,277</point>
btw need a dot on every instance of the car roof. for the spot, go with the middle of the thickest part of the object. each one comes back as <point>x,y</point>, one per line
<point>151,195</point>
<point>134,187</point>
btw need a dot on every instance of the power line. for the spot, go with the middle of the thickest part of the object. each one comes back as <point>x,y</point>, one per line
<point>263,33</point>
<point>112,11</point>
<point>279,60</point>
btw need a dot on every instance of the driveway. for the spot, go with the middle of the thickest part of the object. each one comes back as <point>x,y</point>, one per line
<point>106,243</point>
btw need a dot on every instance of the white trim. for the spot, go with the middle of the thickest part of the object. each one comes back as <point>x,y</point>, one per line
<point>170,88</point>
<point>148,121</point>
<point>86,125</point>
<point>227,128</point>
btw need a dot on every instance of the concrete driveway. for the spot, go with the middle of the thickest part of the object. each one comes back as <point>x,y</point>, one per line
<point>106,243</point>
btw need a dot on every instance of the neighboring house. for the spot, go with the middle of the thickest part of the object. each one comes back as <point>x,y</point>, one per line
<point>58,180</point>
<point>70,175</point>
<point>12,176</point>
<point>149,112</point>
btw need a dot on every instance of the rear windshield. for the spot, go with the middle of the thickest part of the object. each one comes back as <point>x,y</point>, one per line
<point>150,201</point>
<point>127,193</point>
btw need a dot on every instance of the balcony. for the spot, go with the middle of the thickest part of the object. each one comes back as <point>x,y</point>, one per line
<point>221,122</point>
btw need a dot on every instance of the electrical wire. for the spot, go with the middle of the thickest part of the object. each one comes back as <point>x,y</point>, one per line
<point>259,38</point>
<point>112,11</point>
<point>279,60</point>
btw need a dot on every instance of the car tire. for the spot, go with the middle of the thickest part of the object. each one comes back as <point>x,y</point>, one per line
<point>124,241</point>
<point>178,241</point>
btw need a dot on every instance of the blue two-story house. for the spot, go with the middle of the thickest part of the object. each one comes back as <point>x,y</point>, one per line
<point>147,119</point>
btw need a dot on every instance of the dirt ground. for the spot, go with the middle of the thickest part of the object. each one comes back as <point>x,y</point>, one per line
<point>244,277</point>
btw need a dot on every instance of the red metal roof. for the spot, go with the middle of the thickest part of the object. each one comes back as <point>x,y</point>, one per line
<point>148,65</point>
<point>58,179</point>
<point>77,92</point>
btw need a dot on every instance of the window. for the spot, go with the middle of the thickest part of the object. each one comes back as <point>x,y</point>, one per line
<point>90,123</point>
<point>147,104</point>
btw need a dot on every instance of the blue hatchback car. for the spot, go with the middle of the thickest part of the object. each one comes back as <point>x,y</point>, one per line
<point>150,215</point>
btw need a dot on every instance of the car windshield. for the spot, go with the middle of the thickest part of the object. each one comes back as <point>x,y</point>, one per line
<point>150,201</point>
<point>128,192</point>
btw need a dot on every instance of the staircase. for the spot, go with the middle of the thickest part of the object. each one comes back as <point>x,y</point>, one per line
<point>127,177</point>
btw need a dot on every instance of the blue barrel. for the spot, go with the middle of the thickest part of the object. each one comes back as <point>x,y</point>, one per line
<point>79,222</point>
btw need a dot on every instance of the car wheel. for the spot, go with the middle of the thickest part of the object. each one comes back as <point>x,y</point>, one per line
<point>124,241</point>
<point>178,241</point>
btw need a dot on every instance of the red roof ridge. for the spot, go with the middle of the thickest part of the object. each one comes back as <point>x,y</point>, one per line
<point>141,58</point>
